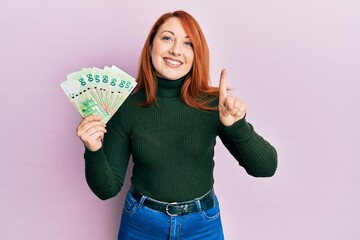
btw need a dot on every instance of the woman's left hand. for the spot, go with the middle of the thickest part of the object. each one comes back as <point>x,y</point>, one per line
<point>231,109</point>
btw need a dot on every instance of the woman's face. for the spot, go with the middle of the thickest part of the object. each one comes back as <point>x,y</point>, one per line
<point>171,52</point>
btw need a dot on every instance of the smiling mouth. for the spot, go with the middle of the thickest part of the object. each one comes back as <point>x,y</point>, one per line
<point>172,62</point>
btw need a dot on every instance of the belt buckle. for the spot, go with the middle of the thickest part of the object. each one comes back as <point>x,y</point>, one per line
<point>167,209</point>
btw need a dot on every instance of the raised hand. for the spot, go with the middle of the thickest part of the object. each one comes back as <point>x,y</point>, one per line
<point>91,131</point>
<point>231,109</point>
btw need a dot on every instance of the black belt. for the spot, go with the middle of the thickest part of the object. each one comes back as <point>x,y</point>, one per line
<point>177,208</point>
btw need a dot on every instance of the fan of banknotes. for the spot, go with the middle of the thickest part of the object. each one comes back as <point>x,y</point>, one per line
<point>96,91</point>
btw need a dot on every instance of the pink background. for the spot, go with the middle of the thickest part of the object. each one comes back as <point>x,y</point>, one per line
<point>295,63</point>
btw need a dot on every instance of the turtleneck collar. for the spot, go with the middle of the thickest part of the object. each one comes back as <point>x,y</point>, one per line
<point>169,88</point>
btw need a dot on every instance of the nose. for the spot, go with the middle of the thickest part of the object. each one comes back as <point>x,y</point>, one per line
<point>175,49</point>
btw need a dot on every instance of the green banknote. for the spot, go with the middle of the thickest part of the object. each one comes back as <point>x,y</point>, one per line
<point>96,91</point>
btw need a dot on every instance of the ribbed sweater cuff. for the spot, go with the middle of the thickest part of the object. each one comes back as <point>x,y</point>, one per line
<point>240,130</point>
<point>94,157</point>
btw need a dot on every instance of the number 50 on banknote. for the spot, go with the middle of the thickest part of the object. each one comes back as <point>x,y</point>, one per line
<point>96,91</point>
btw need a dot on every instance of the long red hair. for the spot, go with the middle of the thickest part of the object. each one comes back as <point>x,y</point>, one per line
<point>196,88</point>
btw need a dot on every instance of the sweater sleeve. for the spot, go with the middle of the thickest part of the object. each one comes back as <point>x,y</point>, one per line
<point>105,168</point>
<point>253,152</point>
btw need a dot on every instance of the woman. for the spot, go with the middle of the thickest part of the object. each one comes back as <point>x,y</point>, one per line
<point>169,127</point>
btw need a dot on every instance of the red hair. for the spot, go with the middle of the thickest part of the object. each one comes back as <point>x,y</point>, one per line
<point>196,88</point>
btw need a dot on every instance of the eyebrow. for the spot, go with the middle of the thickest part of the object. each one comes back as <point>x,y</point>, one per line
<point>172,33</point>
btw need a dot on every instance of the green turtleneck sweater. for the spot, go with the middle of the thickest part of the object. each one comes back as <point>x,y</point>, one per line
<point>172,148</point>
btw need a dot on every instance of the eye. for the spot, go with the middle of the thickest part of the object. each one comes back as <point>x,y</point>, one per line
<point>166,38</point>
<point>189,44</point>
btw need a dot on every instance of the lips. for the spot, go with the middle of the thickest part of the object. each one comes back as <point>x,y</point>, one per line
<point>172,62</point>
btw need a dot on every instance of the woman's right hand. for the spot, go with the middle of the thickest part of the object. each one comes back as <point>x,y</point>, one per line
<point>91,132</point>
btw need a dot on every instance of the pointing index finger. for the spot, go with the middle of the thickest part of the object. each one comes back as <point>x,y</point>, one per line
<point>222,85</point>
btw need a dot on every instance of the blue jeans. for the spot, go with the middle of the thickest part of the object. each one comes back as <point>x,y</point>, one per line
<point>139,222</point>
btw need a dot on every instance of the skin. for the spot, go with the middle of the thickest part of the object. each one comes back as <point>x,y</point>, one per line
<point>172,56</point>
<point>172,53</point>
<point>231,109</point>
<point>91,132</point>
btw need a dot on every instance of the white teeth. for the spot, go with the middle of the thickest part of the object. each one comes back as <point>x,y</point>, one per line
<point>172,62</point>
